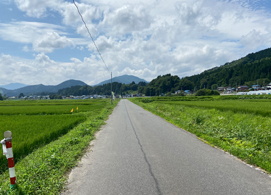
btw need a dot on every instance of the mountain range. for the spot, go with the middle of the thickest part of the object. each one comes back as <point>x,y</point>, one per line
<point>37,89</point>
<point>126,79</point>
<point>13,86</point>
<point>13,90</point>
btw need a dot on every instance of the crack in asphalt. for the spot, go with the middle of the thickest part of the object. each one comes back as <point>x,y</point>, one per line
<point>144,154</point>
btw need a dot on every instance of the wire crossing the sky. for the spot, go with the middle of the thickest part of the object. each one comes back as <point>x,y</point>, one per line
<point>91,36</point>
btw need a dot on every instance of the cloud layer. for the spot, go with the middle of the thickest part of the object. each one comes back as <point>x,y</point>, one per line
<point>147,39</point>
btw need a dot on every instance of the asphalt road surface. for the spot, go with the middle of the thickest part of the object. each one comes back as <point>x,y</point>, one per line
<point>137,153</point>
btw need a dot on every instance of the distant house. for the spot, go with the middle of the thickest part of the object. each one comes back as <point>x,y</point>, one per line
<point>188,92</point>
<point>220,88</point>
<point>256,87</point>
<point>178,91</point>
<point>242,88</point>
<point>268,86</point>
<point>228,90</point>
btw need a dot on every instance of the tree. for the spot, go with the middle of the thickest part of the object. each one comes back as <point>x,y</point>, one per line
<point>21,95</point>
<point>55,97</point>
<point>185,84</point>
<point>214,87</point>
<point>1,98</point>
<point>206,92</point>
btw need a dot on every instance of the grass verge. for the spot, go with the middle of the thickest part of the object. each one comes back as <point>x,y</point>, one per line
<point>246,136</point>
<point>44,170</point>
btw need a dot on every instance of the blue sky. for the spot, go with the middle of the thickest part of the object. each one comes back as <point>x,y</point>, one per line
<point>45,42</point>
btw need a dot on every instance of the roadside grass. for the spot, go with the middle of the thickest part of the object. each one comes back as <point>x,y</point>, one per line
<point>44,171</point>
<point>258,107</point>
<point>31,132</point>
<point>245,135</point>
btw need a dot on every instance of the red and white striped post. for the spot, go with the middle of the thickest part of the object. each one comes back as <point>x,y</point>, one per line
<point>9,154</point>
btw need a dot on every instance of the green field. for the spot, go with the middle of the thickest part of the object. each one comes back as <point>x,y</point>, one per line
<point>48,140</point>
<point>240,126</point>
<point>36,123</point>
<point>258,107</point>
<point>48,107</point>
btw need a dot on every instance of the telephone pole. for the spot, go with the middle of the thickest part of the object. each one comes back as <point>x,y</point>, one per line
<point>111,91</point>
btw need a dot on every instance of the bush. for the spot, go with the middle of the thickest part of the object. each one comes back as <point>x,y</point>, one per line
<point>200,92</point>
<point>145,100</point>
<point>206,92</point>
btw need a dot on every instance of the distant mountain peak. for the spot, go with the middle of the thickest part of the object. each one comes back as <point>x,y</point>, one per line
<point>127,79</point>
<point>13,86</point>
<point>40,88</point>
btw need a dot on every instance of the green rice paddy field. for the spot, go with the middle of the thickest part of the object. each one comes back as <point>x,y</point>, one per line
<point>48,140</point>
<point>238,125</point>
<point>37,123</point>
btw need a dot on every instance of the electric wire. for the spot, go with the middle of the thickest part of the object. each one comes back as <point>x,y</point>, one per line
<point>95,46</point>
<point>91,36</point>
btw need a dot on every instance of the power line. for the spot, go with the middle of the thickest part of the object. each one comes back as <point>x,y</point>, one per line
<point>91,36</point>
<point>96,48</point>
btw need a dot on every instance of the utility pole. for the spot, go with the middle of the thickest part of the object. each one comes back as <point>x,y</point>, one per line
<point>111,91</point>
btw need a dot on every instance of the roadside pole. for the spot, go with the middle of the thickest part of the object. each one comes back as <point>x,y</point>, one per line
<point>7,151</point>
<point>111,91</point>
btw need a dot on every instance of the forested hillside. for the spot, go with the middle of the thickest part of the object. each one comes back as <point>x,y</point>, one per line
<point>253,68</point>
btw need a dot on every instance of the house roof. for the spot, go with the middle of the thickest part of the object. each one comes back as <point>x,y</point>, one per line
<point>243,86</point>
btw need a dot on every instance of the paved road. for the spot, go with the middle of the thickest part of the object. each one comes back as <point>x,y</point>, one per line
<point>140,153</point>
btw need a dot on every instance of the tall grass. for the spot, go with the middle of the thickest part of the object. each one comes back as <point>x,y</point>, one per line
<point>32,132</point>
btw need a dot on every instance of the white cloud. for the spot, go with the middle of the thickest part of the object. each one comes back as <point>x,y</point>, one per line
<point>254,39</point>
<point>128,18</point>
<point>147,38</point>
<point>36,8</point>
<point>71,16</point>
<point>47,43</point>
<point>49,72</point>
<point>44,37</point>
<point>27,32</point>
<point>82,30</point>
<point>26,49</point>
